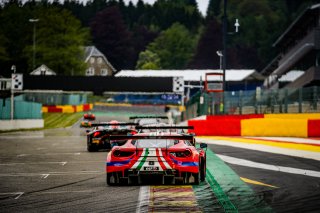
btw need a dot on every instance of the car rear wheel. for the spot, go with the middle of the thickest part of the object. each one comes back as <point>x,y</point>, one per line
<point>112,179</point>
<point>91,147</point>
<point>203,170</point>
<point>196,178</point>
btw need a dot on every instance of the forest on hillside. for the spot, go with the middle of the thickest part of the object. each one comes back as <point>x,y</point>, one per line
<point>166,35</point>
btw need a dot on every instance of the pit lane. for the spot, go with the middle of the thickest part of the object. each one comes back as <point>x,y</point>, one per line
<point>52,171</point>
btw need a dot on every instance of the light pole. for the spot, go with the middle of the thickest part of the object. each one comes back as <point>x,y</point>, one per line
<point>219,53</point>
<point>224,53</point>
<point>34,21</point>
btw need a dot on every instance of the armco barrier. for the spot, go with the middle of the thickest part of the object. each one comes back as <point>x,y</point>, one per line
<point>273,125</point>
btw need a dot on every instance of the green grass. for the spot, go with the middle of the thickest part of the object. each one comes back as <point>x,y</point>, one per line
<point>59,120</point>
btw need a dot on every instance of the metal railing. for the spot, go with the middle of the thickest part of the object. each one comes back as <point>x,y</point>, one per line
<point>300,100</point>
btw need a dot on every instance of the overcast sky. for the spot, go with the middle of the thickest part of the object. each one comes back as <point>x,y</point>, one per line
<point>202,4</point>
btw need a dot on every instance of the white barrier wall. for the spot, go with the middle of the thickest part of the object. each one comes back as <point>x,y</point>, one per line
<point>21,124</point>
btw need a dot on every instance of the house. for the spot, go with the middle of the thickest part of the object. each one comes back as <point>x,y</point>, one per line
<point>98,64</point>
<point>43,70</point>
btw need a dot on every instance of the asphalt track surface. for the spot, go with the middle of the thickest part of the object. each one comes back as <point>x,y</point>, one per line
<point>51,171</point>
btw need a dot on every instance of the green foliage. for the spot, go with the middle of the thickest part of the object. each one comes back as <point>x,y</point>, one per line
<point>175,47</point>
<point>14,31</point>
<point>260,25</point>
<point>112,37</point>
<point>148,61</point>
<point>123,36</point>
<point>59,42</point>
<point>3,53</point>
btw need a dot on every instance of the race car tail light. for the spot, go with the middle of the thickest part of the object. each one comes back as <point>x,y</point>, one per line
<point>96,134</point>
<point>119,153</point>
<point>181,154</point>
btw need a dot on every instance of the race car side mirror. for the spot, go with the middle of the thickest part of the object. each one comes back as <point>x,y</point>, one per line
<point>203,145</point>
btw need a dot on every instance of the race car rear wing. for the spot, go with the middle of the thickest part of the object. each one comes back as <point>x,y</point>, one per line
<point>136,117</point>
<point>114,124</point>
<point>164,127</point>
<point>136,137</point>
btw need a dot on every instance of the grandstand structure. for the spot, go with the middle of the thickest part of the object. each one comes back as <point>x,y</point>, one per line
<point>298,61</point>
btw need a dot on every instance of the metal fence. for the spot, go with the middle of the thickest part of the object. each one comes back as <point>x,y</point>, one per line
<point>56,98</point>
<point>22,109</point>
<point>300,100</point>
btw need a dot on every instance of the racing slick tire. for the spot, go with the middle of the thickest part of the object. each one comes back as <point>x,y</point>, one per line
<point>115,179</point>
<point>196,178</point>
<point>91,147</point>
<point>202,170</point>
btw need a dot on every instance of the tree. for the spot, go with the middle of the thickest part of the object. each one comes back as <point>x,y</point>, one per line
<point>175,47</point>
<point>210,42</point>
<point>112,38</point>
<point>214,9</point>
<point>3,53</point>
<point>260,23</point>
<point>60,42</point>
<point>148,61</point>
<point>13,24</point>
<point>142,36</point>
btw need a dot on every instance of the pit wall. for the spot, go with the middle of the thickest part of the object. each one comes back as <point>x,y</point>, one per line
<point>272,125</point>
<point>67,108</point>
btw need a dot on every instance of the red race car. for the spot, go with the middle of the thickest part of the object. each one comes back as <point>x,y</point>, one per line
<point>168,157</point>
<point>89,116</point>
<point>97,137</point>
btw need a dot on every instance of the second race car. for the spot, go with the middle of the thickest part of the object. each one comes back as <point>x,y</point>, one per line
<point>97,137</point>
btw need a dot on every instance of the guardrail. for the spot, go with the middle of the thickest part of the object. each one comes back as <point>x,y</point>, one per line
<point>301,100</point>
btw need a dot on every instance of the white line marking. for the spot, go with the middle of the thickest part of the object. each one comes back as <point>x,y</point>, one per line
<point>60,163</point>
<point>289,139</point>
<point>41,148</point>
<point>247,163</point>
<point>62,192</point>
<point>50,173</point>
<point>19,195</point>
<point>143,200</point>
<point>65,153</point>
<point>44,176</point>
<point>264,148</point>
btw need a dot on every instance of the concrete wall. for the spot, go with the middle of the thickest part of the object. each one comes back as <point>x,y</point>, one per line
<point>21,124</point>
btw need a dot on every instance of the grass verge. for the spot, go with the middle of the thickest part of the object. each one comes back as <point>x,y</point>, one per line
<point>60,120</point>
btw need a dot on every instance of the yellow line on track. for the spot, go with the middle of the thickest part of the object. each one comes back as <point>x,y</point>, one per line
<point>256,182</point>
<point>170,203</point>
<point>175,194</point>
<point>172,196</point>
<point>289,145</point>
